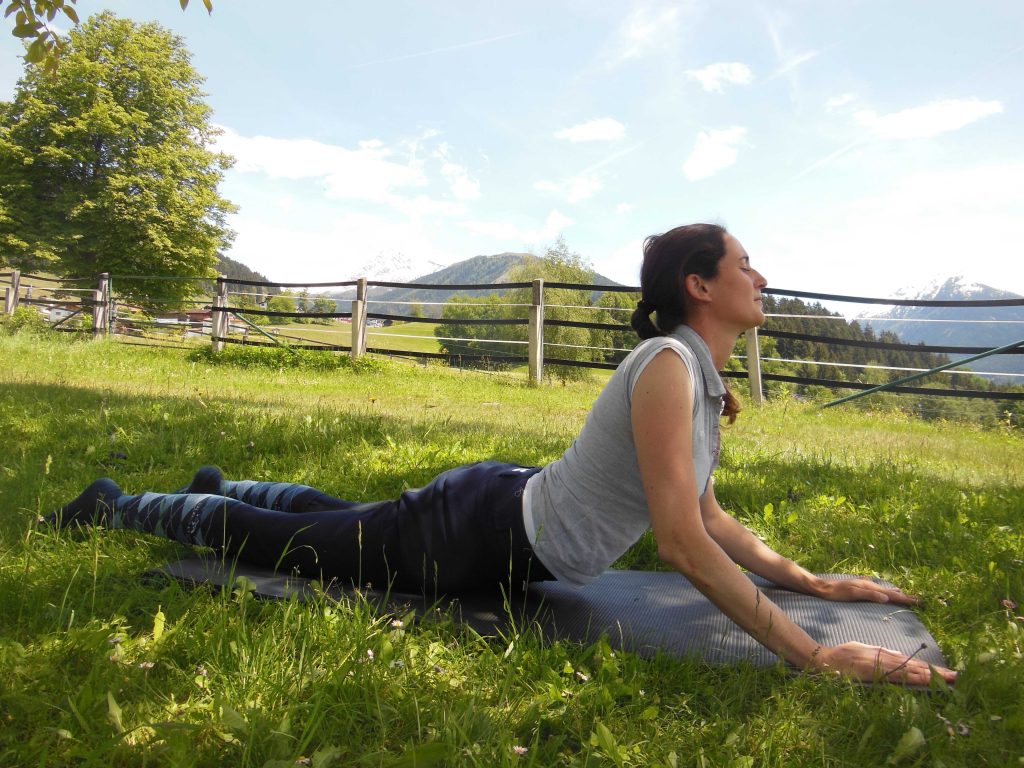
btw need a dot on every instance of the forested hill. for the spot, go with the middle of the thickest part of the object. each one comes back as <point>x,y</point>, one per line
<point>479,270</point>
<point>820,322</point>
<point>236,270</point>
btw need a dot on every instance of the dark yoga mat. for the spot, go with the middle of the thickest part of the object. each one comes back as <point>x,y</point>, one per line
<point>638,611</point>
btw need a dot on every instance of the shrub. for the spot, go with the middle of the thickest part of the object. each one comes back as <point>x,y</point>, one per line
<point>24,320</point>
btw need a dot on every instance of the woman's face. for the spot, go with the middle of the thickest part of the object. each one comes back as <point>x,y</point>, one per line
<point>736,289</point>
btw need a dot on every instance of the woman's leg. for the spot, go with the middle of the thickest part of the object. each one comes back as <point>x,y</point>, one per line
<point>463,531</point>
<point>354,547</point>
<point>283,497</point>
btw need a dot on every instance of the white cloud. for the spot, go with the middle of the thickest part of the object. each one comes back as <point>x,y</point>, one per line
<point>463,187</point>
<point>713,76</point>
<point>574,190</point>
<point>342,248</point>
<point>714,150</point>
<point>923,227</point>
<point>622,265</point>
<point>928,121</point>
<point>552,227</point>
<point>583,187</point>
<point>421,205</point>
<point>602,129</point>
<point>839,101</point>
<point>366,173</point>
<point>646,30</point>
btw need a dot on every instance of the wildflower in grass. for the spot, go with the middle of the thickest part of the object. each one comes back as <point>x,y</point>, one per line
<point>519,750</point>
<point>147,665</point>
<point>369,654</point>
<point>397,623</point>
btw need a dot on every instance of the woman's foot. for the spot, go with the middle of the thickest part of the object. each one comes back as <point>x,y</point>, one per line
<point>92,507</point>
<point>208,479</point>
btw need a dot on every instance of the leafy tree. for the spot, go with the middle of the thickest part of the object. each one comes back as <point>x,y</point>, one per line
<point>302,305</point>
<point>32,19</point>
<point>104,165</point>
<point>617,307</point>
<point>280,303</point>
<point>488,340</point>
<point>558,264</point>
<point>323,305</point>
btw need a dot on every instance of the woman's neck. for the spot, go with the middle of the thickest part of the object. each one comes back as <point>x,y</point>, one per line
<point>720,341</point>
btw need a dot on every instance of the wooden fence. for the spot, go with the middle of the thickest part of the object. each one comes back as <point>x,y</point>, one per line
<point>100,304</point>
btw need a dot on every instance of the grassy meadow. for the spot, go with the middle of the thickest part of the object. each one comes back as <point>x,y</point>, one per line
<point>99,668</point>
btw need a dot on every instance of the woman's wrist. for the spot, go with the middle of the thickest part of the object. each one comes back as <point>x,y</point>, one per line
<point>812,585</point>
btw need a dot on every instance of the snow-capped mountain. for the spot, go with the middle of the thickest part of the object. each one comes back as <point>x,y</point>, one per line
<point>958,326</point>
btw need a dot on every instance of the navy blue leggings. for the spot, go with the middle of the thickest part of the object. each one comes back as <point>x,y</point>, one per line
<point>462,532</point>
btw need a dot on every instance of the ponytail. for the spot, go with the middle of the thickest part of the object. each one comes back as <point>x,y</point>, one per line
<point>730,406</point>
<point>641,321</point>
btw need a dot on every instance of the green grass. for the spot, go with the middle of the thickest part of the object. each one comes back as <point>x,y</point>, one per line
<point>99,668</point>
<point>415,337</point>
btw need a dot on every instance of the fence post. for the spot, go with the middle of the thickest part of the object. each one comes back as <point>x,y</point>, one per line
<point>754,367</point>
<point>111,308</point>
<point>11,293</point>
<point>359,319</point>
<point>99,308</point>
<point>219,318</point>
<point>535,353</point>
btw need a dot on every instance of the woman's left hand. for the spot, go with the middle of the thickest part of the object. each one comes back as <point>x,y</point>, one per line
<point>862,590</point>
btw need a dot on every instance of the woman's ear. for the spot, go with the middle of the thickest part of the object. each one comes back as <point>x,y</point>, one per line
<point>695,287</point>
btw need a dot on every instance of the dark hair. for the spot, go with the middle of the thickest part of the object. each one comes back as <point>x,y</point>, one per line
<point>694,249</point>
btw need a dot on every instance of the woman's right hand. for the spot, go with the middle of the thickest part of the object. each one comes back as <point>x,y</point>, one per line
<point>872,663</point>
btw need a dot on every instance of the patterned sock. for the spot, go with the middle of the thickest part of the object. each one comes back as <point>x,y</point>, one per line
<point>93,506</point>
<point>280,497</point>
<point>189,518</point>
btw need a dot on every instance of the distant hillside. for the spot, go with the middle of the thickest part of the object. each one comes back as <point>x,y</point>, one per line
<point>238,271</point>
<point>947,326</point>
<point>475,271</point>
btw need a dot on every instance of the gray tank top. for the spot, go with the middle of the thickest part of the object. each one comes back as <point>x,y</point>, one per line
<point>584,510</point>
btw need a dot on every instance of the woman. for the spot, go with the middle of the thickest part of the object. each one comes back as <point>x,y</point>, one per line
<point>644,459</point>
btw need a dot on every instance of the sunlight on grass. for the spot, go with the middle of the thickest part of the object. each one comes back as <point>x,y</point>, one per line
<point>100,668</point>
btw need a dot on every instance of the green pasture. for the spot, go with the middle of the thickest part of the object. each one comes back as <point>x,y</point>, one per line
<point>415,337</point>
<point>100,668</point>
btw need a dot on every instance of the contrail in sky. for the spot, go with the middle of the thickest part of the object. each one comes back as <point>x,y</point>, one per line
<point>829,158</point>
<point>421,54</point>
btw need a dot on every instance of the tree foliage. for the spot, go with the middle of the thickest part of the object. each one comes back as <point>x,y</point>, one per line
<point>557,265</point>
<point>105,166</point>
<point>820,360</point>
<point>32,19</point>
<point>280,303</point>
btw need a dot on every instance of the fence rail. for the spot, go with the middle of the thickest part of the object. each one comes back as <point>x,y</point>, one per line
<point>18,290</point>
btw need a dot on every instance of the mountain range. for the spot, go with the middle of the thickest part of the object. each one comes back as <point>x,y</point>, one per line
<point>987,327</point>
<point>479,270</point>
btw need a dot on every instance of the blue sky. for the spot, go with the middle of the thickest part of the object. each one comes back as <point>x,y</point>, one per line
<point>853,147</point>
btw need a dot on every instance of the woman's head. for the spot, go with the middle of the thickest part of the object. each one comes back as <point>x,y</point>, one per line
<point>694,249</point>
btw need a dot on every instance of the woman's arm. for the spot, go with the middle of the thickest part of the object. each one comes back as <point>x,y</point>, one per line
<point>662,426</point>
<point>753,554</point>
